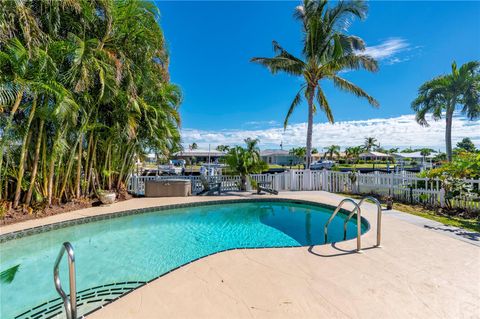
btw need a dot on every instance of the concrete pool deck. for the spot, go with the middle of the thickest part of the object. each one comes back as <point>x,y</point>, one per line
<point>419,272</point>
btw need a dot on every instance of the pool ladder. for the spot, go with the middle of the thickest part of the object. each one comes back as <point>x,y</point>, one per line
<point>358,211</point>
<point>69,302</point>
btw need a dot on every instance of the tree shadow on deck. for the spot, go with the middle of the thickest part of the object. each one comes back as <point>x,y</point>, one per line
<point>470,235</point>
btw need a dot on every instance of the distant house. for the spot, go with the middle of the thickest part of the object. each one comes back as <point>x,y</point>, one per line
<point>278,157</point>
<point>375,156</point>
<point>283,157</point>
<point>413,156</point>
<point>199,155</point>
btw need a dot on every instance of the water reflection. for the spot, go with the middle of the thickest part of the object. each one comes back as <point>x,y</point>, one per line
<point>306,226</point>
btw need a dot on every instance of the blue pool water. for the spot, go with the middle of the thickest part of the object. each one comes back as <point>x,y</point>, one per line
<point>138,248</point>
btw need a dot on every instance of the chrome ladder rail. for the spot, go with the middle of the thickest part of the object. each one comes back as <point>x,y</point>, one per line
<point>359,220</point>
<point>69,302</point>
<point>379,218</point>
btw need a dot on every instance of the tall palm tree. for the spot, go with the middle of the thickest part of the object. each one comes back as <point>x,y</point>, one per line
<point>332,150</point>
<point>443,94</point>
<point>327,51</point>
<point>370,143</point>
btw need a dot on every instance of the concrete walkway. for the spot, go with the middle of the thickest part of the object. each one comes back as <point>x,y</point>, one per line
<point>417,273</point>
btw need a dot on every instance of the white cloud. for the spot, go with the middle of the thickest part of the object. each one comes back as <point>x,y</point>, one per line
<point>261,124</point>
<point>389,50</point>
<point>402,131</point>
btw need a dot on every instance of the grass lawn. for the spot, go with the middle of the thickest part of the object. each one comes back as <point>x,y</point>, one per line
<point>470,224</point>
<point>366,165</point>
<point>418,210</point>
<point>286,166</point>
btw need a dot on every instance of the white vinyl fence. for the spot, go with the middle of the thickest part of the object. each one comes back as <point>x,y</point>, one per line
<point>404,186</point>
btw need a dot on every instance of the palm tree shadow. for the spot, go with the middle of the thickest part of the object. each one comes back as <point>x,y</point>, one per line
<point>342,252</point>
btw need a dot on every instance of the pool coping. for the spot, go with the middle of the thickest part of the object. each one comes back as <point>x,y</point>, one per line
<point>88,219</point>
<point>84,220</point>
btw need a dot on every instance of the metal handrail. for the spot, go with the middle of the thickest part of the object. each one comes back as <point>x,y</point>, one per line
<point>69,302</point>
<point>359,220</point>
<point>379,218</point>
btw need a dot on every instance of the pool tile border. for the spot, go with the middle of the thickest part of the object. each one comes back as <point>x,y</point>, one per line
<point>83,220</point>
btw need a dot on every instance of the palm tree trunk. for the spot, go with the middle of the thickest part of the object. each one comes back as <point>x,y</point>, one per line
<point>309,127</point>
<point>90,167</point>
<point>448,132</point>
<point>66,177</point>
<point>5,131</point>
<point>23,153</point>
<point>36,159</point>
<point>79,166</point>
<point>51,168</point>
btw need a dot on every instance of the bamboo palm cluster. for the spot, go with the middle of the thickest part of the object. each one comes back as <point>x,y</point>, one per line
<point>84,91</point>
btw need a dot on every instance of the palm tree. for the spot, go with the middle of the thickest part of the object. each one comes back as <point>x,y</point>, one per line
<point>223,148</point>
<point>327,50</point>
<point>370,143</point>
<point>444,93</point>
<point>425,152</point>
<point>245,161</point>
<point>298,153</point>
<point>332,150</point>
<point>354,152</point>
<point>193,146</point>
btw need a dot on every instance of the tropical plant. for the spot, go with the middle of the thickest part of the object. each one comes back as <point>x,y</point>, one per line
<point>441,96</point>
<point>425,152</point>
<point>440,157</point>
<point>354,152</point>
<point>327,51</point>
<point>81,98</point>
<point>245,161</point>
<point>455,188</point>
<point>223,148</point>
<point>407,150</point>
<point>467,145</point>
<point>332,150</point>
<point>464,165</point>
<point>299,154</point>
<point>8,275</point>
<point>370,143</point>
<point>193,146</point>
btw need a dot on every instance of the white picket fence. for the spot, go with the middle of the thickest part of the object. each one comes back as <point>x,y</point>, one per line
<point>404,186</point>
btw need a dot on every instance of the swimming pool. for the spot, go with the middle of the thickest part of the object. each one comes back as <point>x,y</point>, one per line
<point>116,255</point>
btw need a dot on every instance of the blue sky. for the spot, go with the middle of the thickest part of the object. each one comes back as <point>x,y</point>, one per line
<point>226,96</point>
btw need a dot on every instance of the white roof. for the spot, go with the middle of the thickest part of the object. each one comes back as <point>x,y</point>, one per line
<point>414,155</point>
<point>274,152</point>
<point>374,154</point>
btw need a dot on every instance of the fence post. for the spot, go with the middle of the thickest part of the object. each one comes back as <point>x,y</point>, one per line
<point>307,180</point>
<point>392,180</point>
<point>292,180</point>
<point>441,197</point>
